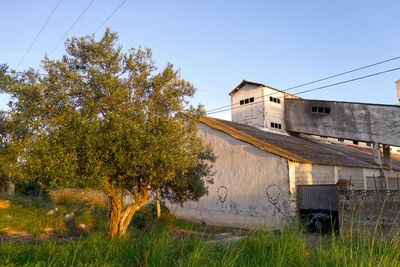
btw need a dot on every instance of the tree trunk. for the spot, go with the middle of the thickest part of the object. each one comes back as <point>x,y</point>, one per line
<point>158,205</point>
<point>120,217</point>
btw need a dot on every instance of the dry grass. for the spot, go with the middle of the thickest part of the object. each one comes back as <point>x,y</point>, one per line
<point>74,196</point>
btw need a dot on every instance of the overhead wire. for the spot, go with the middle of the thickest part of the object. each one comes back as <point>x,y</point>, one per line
<point>112,13</point>
<point>72,26</point>
<point>319,80</point>
<point>309,90</point>
<point>39,33</point>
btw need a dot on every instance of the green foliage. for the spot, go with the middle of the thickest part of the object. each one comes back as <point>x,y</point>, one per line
<point>104,115</point>
<point>28,187</point>
<point>147,216</point>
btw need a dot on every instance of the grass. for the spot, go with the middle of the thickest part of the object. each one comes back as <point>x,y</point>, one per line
<point>157,246</point>
<point>27,216</point>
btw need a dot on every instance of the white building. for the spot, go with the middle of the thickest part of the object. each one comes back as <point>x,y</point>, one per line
<point>259,105</point>
<point>257,174</point>
<point>260,165</point>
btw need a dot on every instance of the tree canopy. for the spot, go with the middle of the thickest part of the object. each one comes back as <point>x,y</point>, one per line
<point>105,119</point>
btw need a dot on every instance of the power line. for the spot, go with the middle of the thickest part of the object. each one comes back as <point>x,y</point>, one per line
<point>343,73</point>
<point>72,25</point>
<point>112,13</point>
<point>314,89</point>
<point>322,79</point>
<point>38,34</point>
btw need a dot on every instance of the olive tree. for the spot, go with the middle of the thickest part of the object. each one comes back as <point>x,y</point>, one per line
<point>108,120</point>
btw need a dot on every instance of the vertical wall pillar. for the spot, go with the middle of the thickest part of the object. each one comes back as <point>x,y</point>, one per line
<point>376,152</point>
<point>335,173</point>
<point>387,161</point>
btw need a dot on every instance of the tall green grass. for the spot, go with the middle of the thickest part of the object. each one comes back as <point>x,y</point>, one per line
<point>158,247</point>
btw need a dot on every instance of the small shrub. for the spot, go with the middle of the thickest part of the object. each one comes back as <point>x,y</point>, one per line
<point>29,188</point>
<point>147,215</point>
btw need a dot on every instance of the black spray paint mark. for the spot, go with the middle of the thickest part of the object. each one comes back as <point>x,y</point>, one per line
<point>222,193</point>
<point>273,194</point>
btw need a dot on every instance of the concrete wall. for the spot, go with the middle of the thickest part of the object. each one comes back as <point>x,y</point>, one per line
<point>369,123</point>
<point>361,178</point>
<point>250,190</point>
<point>274,112</point>
<point>251,113</point>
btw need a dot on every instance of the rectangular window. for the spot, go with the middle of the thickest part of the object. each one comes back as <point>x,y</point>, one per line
<point>241,102</point>
<point>246,101</point>
<point>276,125</point>
<point>251,99</point>
<point>398,150</point>
<point>355,142</point>
<point>340,139</point>
<point>274,99</point>
<point>368,144</point>
<point>321,110</point>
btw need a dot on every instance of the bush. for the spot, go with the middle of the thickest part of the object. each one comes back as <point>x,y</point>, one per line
<point>147,216</point>
<point>29,188</point>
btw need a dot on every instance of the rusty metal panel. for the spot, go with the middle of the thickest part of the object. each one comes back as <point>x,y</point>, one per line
<point>317,197</point>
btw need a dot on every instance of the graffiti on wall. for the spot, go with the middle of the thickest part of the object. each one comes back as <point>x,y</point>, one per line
<point>273,195</point>
<point>222,195</point>
<point>225,202</point>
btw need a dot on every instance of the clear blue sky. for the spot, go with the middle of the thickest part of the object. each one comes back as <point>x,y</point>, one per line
<point>218,43</point>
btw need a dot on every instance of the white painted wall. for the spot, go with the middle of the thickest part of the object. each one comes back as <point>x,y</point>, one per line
<point>274,112</point>
<point>252,113</point>
<point>239,196</point>
<point>263,111</point>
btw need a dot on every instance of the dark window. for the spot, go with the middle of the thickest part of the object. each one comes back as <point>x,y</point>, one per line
<point>355,142</point>
<point>246,101</point>
<point>276,125</point>
<point>321,110</point>
<point>251,99</point>
<point>241,102</point>
<point>368,144</point>
<point>398,150</point>
<point>340,139</point>
<point>274,99</point>
<point>324,136</point>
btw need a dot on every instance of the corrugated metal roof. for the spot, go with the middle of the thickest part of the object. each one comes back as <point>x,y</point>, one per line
<point>296,148</point>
